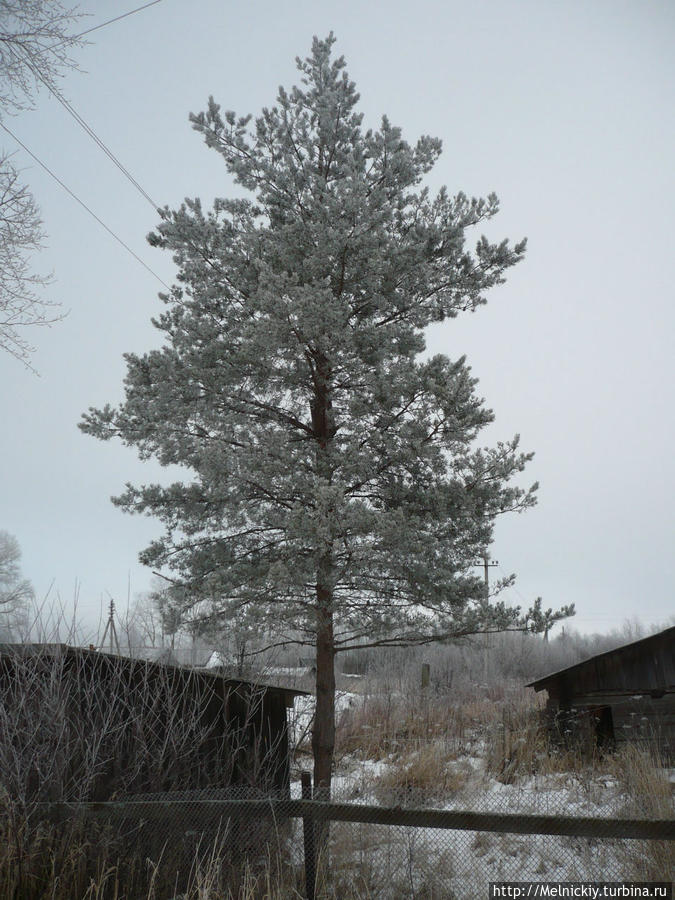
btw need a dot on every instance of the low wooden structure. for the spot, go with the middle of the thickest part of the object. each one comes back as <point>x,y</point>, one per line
<point>81,724</point>
<point>620,696</point>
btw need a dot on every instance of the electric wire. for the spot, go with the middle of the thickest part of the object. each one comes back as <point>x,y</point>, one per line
<point>512,587</point>
<point>75,37</point>
<point>83,205</point>
<point>88,129</point>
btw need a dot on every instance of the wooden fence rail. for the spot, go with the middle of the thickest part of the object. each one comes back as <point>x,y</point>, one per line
<point>505,823</point>
<point>213,813</point>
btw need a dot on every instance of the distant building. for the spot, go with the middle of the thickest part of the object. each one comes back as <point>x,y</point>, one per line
<point>218,659</point>
<point>624,695</point>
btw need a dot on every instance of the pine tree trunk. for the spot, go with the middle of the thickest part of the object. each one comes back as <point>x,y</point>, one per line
<point>323,735</point>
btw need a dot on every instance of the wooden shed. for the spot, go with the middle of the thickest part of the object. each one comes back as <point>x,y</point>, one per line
<point>80,724</point>
<point>623,695</point>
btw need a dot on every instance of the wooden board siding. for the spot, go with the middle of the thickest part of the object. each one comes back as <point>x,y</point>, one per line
<point>636,683</point>
<point>646,720</point>
<point>636,719</point>
<point>645,666</point>
<point>233,732</point>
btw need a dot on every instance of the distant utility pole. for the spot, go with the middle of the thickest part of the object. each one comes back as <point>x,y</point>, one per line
<point>111,630</point>
<point>487,564</point>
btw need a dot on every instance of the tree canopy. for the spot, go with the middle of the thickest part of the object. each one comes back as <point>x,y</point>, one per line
<point>335,488</point>
<point>16,592</point>
<point>35,46</point>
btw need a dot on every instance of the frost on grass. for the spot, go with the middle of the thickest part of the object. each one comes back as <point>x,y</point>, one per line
<point>449,763</point>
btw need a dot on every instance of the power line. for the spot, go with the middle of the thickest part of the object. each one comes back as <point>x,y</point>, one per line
<point>90,131</point>
<point>83,205</point>
<point>103,25</point>
<point>117,18</point>
<point>513,587</point>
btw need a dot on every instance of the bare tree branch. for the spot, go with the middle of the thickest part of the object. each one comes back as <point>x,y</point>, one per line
<point>35,43</point>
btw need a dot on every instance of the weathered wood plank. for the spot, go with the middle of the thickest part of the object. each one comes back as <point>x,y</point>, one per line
<point>209,811</point>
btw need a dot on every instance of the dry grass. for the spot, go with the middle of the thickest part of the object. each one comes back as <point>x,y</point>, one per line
<point>380,863</point>
<point>365,863</point>
<point>421,776</point>
<point>388,722</point>
<point>519,744</point>
<point>423,735</point>
<point>642,775</point>
<point>95,863</point>
<point>648,794</point>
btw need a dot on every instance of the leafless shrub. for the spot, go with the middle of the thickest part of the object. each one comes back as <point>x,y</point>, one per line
<point>77,725</point>
<point>95,863</point>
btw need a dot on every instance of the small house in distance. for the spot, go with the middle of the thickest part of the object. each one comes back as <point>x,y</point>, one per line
<point>620,696</point>
<point>104,726</point>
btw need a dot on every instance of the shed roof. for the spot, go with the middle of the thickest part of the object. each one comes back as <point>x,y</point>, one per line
<point>57,649</point>
<point>646,664</point>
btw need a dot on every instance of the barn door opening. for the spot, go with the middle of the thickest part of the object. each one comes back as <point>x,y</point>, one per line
<point>604,728</point>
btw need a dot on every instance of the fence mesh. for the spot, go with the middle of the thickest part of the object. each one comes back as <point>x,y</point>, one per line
<point>239,843</point>
<point>410,756</point>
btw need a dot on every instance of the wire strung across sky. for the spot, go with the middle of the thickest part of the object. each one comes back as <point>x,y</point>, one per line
<point>83,204</point>
<point>87,128</point>
<point>90,131</point>
<point>104,24</point>
<point>117,18</point>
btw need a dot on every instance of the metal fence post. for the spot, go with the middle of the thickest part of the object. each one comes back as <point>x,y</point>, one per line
<point>308,834</point>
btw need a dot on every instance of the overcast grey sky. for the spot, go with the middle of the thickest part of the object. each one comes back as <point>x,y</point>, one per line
<point>564,109</point>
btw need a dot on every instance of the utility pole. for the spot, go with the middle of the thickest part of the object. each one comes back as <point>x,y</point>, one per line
<point>111,630</point>
<point>487,565</point>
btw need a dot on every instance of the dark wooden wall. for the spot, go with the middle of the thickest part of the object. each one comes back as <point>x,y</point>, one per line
<point>630,690</point>
<point>120,727</point>
<point>637,719</point>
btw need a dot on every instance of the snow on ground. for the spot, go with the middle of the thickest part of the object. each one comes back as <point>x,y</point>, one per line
<point>300,720</point>
<point>290,671</point>
<point>465,862</point>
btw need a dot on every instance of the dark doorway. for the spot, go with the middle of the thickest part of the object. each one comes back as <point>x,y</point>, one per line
<point>604,728</point>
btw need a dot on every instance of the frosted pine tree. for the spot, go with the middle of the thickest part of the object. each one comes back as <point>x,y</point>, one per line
<point>336,493</point>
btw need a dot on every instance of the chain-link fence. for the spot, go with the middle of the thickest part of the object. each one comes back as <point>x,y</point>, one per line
<point>433,796</point>
<point>237,843</point>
